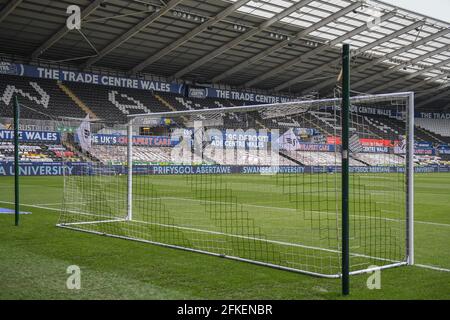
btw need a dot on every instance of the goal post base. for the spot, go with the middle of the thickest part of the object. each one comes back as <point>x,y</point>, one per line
<point>369,270</point>
<point>73,226</point>
<point>62,225</point>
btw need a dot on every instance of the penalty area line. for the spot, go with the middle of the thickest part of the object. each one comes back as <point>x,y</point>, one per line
<point>33,206</point>
<point>43,206</point>
<point>435,268</point>
<point>56,209</point>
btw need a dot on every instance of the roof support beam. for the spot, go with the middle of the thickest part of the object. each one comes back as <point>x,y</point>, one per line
<point>266,24</point>
<point>131,33</point>
<point>441,95</point>
<point>426,93</point>
<point>285,43</point>
<point>421,83</point>
<point>316,51</point>
<point>409,76</point>
<point>9,8</point>
<point>191,34</point>
<point>380,75</point>
<point>384,58</point>
<point>63,31</point>
<point>329,65</point>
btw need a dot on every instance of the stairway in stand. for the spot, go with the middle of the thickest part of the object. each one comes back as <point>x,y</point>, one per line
<point>164,102</point>
<point>77,100</point>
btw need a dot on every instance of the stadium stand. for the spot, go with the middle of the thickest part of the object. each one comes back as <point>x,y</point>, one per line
<point>163,155</point>
<point>419,134</point>
<point>314,158</point>
<point>144,155</point>
<point>385,127</point>
<point>245,158</point>
<point>425,160</point>
<point>232,120</point>
<point>374,159</point>
<point>309,158</point>
<point>37,153</point>
<point>329,124</point>
<point>46,99</point>
<point>42,99</point>
<point>182,103</point>
<point>445,158</point>
<point>114,104</point>
<point>439,127</point>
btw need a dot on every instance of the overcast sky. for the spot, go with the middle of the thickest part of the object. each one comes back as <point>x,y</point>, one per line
<point>439,9</point>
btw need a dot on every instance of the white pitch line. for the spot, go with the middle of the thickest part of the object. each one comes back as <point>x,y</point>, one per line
<point>434,223</point>
<point>55,209</point>
<point>32,206</point>
<point>242,237</point>
<point>435,268</point>
<point>94,222</point>
<point>432,267</point>
<point>292,209</point>
<point>95,201</point>
<point>258,206</point>
<point>80,203</point>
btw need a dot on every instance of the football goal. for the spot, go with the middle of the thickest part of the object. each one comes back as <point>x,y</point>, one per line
<point>260,184</point>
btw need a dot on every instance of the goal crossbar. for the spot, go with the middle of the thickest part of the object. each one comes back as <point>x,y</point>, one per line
<point>130,201</point>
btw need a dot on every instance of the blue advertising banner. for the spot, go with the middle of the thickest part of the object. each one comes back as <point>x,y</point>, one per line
<point>375,149</point>
<point>82,168</point>
<point>32,136</point>
<point>215,169</point>
<point>250,139</point>
<point>423,145</point>
<point>374,111</point>
<point>130,83</point>
<point>198,93</point>
<point>88,78</point>
<point>393,113</point>
<point>253,98</point>
<point>236,138</point>
<point>43,168</point>
<point>433,115</point>
<point>444,150</point>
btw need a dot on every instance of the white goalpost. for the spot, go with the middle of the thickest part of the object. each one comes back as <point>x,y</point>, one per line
<point>259,184</point>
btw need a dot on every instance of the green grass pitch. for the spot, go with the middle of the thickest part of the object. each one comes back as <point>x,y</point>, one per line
<point>35,256</point>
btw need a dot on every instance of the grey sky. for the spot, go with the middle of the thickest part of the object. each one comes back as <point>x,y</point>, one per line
<point>439,9</point>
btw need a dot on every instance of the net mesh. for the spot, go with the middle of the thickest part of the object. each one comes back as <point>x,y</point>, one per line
<point>259,183</point>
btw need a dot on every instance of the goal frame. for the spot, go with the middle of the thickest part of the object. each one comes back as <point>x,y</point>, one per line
<point>409,167</point>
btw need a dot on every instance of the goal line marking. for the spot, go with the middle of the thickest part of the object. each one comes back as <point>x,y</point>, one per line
<point>256,206</point>
<point>425,266</point>
<point>394,262</point>
<point>430,267</point>
<point>218,233</point>
<point>59,210</point>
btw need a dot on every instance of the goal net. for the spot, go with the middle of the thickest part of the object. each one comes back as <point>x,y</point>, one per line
<point>260,184</point>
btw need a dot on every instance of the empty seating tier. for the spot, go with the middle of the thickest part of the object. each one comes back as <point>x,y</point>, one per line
<point>40,99</point>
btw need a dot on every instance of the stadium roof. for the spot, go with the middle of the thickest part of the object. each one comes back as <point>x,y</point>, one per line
<point>289,46</point>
